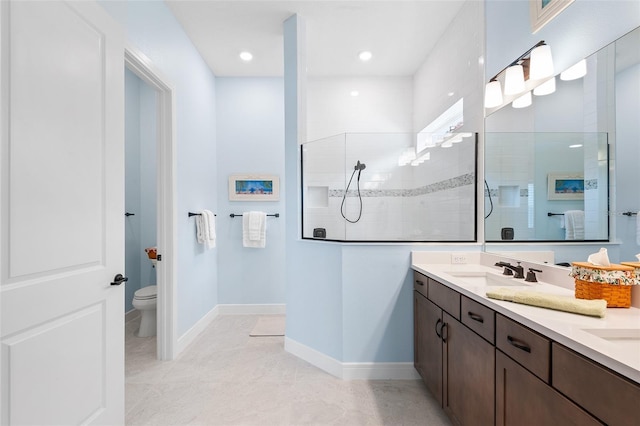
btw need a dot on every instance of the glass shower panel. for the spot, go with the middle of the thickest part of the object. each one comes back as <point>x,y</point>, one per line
<point>362,187</point>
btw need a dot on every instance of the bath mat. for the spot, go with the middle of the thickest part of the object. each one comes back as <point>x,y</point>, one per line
<point>272,325</point>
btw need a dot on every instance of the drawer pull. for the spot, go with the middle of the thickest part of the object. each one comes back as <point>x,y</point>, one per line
<point>419,282</point>
<point>437,333</point>
<point>475,317</point>
<point>518,344</point>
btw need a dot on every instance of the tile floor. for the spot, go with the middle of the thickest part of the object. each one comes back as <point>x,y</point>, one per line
<point>226,377</point>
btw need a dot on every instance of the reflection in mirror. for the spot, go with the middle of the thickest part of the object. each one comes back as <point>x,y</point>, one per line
<point>546,187</point>
<point>376,187</point>
<point>601,106</point>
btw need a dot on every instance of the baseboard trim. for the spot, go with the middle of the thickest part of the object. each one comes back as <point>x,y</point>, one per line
<point>379,371</point>
<point>257,309</point>
<point>188,337</point>
<point>313,357</point>
<point>352,370</point>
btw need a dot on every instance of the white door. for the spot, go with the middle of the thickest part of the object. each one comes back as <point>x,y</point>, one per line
<point>62,215</point>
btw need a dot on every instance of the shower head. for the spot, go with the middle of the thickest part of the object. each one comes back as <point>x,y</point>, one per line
<point>360,166</point>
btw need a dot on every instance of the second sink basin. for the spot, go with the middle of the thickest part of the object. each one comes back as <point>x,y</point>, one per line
<point>483,278</point>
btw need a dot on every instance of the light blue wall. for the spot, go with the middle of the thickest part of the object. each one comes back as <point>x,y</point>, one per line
<point>250,131</point>
<point>140,184</point>
<point>151,28</point>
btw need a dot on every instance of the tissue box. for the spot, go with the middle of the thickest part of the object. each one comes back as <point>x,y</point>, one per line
<point>611,283</point>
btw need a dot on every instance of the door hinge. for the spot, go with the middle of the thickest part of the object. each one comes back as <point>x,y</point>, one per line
<point>159,257</point>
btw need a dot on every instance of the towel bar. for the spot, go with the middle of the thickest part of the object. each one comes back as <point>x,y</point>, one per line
<point>197,214</point>
<point>554,214</point>
<point>232,215</point>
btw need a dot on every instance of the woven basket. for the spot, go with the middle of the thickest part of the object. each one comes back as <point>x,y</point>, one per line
<point>617,291</point>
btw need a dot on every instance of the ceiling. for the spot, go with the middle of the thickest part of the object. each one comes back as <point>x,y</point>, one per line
<point>399,33</point>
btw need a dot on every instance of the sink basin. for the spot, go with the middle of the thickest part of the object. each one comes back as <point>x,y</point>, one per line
<point>627,338</point>
<point>483,278</point>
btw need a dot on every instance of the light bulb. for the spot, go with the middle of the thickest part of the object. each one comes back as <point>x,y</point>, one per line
<point>574,72</point>
<point>546,88</point>
<point>523,101</point>
<point>514,80</point>
<point>541,63</point>
<point>493,94</point>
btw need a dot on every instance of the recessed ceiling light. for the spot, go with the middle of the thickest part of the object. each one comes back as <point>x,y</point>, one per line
<point>246,56</point>
<point>354,93</point>
<point>365,56</point>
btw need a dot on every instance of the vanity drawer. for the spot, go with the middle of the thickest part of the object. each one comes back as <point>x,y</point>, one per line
<point>443,296</point>
<point>525,346</point>
<point>478,318</point>
<point>611,398</point>
<point>420,283</point>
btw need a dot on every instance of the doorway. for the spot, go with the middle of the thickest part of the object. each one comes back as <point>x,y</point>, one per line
<point>162,120</point>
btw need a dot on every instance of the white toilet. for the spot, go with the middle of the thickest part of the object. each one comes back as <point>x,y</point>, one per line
<point>144,300</point>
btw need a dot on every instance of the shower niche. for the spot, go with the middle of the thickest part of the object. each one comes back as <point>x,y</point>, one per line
<point>375,187</point>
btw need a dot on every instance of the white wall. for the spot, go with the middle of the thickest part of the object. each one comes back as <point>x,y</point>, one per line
<point>153,30</point>
<point>250,131</point>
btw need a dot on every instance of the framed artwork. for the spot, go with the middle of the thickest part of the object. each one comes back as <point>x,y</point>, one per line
<point>250,187</point>
<point>565,186</point>
<point>543,11</point>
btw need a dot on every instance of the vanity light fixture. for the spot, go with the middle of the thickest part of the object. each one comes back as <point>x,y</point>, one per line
<point>365,56</point>
<point>546,88</point>
<point>534,64</point>
<point>246,56</point>
<point>523,101</point>
<point>574,72</point>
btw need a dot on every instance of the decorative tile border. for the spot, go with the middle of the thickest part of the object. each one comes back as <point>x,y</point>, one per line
<point>590,184</point>
<point>456,182</point>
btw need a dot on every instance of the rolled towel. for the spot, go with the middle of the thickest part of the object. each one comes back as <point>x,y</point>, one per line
<point>593,308</point>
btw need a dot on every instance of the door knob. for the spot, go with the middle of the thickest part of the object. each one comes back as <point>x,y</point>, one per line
<point>119,279</point>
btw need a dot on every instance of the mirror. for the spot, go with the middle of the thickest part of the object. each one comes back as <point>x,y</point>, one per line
<point>546,166</point>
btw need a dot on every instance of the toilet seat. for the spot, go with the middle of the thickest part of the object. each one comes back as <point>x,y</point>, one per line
<point>146,293</point>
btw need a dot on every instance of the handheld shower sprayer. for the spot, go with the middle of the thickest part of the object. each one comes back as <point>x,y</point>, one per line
<point>359,167</point>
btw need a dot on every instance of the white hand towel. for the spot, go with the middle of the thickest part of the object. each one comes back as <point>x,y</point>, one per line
<point>254,229</point>
<point>206,229</point>
<point>574,222</point>
<point>601,258</point>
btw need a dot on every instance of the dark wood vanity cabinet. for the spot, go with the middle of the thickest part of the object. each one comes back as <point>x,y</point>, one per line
<point>523,399</point>
<point>456,364</point>
<point>428,344</point>
<point>487,369</point>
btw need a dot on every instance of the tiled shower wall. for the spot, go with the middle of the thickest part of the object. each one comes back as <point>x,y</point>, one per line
<point>434,201</point>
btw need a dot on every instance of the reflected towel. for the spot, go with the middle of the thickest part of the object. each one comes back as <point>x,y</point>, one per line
<point>593,308</point>
<point>206,229</point>
<point>254,229</point>
<point>574,225</point>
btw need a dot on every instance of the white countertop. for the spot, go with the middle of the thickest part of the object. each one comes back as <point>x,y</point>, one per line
<point>620,355</point>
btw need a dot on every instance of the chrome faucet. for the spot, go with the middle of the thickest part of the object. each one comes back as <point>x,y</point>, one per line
<point>509,269</point>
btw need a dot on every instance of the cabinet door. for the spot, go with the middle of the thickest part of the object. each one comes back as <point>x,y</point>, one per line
<point>469,375</point>
<point>522,399</point>
<point>427,344</point>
